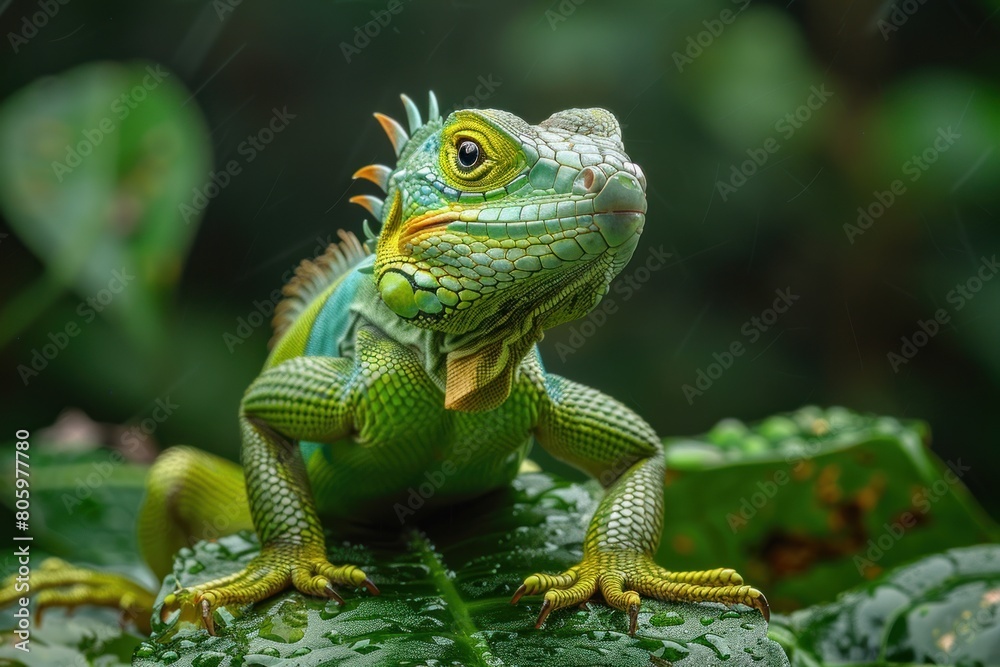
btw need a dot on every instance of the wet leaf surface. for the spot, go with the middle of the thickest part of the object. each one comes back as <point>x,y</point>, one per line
<point>83,510</point>
<point>445,601</point>
<point>941,610</point>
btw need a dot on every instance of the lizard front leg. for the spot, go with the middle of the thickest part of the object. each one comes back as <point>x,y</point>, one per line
<point>601,436</point>
<point>305,398</point>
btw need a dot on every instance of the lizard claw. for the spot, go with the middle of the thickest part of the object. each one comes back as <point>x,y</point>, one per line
<point>370,585</point>
<point>274,569</point>
<point>544,613</point>
<point>621,577</point>
<point>56,583</point>
<point>633,619</point>
<point>761,605</point>
<point>333,595</point>
<point>207,617</point>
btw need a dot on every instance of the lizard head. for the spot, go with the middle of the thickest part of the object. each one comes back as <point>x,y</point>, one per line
<point>494,230</point>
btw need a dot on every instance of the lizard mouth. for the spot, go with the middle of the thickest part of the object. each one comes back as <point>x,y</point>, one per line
<point>428,222</point>
<point>620,206</point>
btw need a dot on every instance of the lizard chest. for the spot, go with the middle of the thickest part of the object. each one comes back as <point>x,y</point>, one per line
<point>411,453</point>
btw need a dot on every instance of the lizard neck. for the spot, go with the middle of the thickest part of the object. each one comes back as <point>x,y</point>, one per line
<point>476,364</point>
<point>367,309</point>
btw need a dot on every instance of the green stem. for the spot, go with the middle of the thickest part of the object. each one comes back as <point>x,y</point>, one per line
<point>453,600</point>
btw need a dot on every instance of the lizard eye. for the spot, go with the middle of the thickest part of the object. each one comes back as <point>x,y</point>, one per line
<point>469,154</point>
<point>476,156</point>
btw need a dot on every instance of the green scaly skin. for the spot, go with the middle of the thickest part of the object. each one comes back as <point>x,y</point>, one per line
<point>426,353</point>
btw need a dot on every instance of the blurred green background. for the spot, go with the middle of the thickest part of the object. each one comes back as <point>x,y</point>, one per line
<point>838,97</point>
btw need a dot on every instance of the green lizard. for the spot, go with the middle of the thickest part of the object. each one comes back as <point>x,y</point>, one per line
<point>492,230</point>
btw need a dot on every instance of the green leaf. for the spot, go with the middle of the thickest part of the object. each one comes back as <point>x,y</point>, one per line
<point>91,640</point>
<point>806,504</point>
<point>94,166</point>
<point>445,592</point>
<point>83,510</point>
<point>941,610</point>
<point>83,506</point>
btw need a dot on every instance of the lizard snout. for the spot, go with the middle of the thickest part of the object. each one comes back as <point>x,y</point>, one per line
<point>620,208</point>
<point>623,193</point>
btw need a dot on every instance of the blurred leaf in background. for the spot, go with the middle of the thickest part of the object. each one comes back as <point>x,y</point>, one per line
<point>105,174</point>
<point>810,503</point>
<point>95,165</point>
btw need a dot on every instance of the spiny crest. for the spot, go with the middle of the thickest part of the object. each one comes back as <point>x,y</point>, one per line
<point>397,134</point>
<point>372,204</point>
<point>314,276</point>
<point>401,141</point>
<point>376,173</point>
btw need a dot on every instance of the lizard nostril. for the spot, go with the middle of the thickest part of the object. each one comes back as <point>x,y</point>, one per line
<point>589,180</point>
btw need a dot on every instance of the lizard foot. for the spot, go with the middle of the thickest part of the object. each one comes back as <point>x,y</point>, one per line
<point>275,569</point>
<point>622,576</point>
<point>56,583</point>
